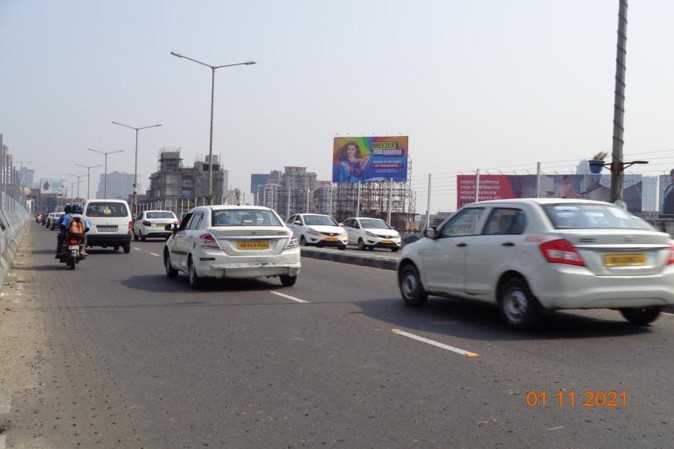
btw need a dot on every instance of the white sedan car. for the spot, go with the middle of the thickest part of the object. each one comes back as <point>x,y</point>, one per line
<point>370,233</point>
<point>152,223</point>
<point>317,229</point>
<point>524,255</point>
<point>232,242</point>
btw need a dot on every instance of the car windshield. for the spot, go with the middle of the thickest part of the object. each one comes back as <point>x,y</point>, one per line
<point>319,220</point>
<point>104,209</point>
<point>244,217</point>
<point>373,223</point>
<point>592,216</point>
<point>160,214</point>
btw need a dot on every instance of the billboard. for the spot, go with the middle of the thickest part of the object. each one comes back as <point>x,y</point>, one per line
<point>666,194</point>
<point>589,186</point>
<point>363,159</point>
<point>52,186</point>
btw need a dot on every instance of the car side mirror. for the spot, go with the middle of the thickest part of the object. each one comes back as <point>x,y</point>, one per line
<point>297,222</point>
<point>430,233</point>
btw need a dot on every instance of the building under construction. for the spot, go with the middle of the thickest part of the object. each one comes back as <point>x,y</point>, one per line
<point>297,191</point>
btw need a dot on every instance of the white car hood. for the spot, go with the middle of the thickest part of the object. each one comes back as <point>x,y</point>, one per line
<point>327,229</point>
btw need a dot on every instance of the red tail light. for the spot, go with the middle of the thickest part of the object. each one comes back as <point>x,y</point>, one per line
<point>561,251</point>
<point>208,241</point>
<point>73,241</point>
<point>130,226</point>
<point>671,254</point>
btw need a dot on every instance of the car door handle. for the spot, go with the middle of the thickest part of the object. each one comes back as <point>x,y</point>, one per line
<point>508,244</point>
<point>461,245</point>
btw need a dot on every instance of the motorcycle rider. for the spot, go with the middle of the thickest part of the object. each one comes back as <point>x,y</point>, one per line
<point>62,231</point>
<point>76,211</point>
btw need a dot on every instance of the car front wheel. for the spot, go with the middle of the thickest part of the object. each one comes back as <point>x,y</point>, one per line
<point>412,291</point>
<point>641,316</point>
<point>517,306</point>
<point>170,271</point>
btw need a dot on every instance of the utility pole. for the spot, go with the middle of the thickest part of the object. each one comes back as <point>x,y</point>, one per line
<point>617,165</point>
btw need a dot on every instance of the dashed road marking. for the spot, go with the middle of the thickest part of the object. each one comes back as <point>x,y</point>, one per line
<point>155,254</point>
<point>292,298</point>
<point>5,401</point>
<point>136,248</point>
<point>434,343</point>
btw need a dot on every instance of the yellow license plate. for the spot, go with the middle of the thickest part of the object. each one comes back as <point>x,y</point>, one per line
<point>386,242</point>
<point>331,239</point>
<point>624,260</point>
<point>261,244</point>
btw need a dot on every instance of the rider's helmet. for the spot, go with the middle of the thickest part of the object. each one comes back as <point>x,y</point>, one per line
<point>76,208</point>
<point>68,208</point>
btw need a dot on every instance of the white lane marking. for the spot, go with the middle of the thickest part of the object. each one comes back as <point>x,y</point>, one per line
<point>668,314</point>
<point>434,343</point>
<point>2,441</point>
<point>136,248</point>
<point>292,298</point>
<point>155,254</point>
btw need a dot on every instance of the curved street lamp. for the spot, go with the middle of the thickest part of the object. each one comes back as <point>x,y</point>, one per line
<point>105,177</point>
<point>88,167</point>
<point>210,143</point>
<point>135,165</point>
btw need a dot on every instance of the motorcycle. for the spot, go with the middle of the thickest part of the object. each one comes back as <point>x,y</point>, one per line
<point>70,251</point>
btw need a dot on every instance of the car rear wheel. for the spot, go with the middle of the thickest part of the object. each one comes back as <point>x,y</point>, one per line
<point>127,249</point>
<point>170,271</point>
<point>641,316</point>
<point>135,236</point>
<point>142,236</point>
<point>195,281</point>
<point>412,291</point>
<point>288,281</point>
<point>517,306</point>
<point>361,245</point>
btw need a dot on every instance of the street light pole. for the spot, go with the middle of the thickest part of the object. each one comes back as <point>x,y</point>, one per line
<point>135,165</point>
<point>210,143</point>
<point>89,167</point>
<point>105,176</point>
<point>78,182</point>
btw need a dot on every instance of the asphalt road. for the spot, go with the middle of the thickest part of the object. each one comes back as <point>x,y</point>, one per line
<point>132,359</point>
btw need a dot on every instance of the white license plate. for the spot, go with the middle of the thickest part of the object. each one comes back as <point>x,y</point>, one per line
<point>107,228</point>
<point>74,247</point>
<point>245,245</point>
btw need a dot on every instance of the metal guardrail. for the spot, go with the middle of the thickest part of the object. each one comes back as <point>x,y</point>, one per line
<point>13,218</point>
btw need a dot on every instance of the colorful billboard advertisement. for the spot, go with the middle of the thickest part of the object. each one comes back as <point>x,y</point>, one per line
<point>52,186</point>
<point>363,159</point>
<point>589,186</point>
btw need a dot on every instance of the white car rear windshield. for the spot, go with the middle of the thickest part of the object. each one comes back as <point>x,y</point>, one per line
<point>244,217</point>
<point>592,216</point>
<point>104,209</point>
<point>159,215</point>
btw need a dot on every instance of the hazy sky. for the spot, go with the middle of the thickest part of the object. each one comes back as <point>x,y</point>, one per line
<point>496,85</point>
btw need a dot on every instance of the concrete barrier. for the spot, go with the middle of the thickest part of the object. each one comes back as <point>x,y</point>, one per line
<point>13,219</point>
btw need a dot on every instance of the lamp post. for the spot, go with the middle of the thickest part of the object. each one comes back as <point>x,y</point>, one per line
<point>210,143</point>
<point>105,176</point>
<point>135,165</point>
<point>78,182</point>
<point>88,167</point>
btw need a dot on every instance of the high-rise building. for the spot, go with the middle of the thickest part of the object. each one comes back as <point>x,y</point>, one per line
<point>119,186</point>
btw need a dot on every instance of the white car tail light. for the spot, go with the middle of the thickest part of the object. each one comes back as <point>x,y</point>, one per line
<point>208,241</point>
<point>293,242</point>
<point>561,251</point>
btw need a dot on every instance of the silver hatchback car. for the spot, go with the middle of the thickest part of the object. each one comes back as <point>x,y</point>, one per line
<point>524,255</point>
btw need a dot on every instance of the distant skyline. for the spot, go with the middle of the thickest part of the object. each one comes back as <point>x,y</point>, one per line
<point>490,85</point>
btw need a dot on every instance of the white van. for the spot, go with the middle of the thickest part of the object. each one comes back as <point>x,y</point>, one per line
<point>111,224</point>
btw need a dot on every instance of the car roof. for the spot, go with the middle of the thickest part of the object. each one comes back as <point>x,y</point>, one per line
<point>230,207</point>
<point>540,201</point>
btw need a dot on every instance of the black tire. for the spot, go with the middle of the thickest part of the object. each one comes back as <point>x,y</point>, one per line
<point>303,241</point>
<point>142,236</point>
<point>361,245</point>
<point>395,249</point>
<point>412,291</point>
<point>517,306</point>
<point>288,281</point>
<point>135,236</point>
<point>342,248</point>
<point>170,271</point>
<point>127,249</point>
<point>71,263</point>
<point>195,281</point>
<point>641,316</point>
<point>115,248</point>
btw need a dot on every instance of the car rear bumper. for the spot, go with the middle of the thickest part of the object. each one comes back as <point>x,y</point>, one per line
<point>108,239</point>
<point>577,288</point>
<point>288,263</point>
